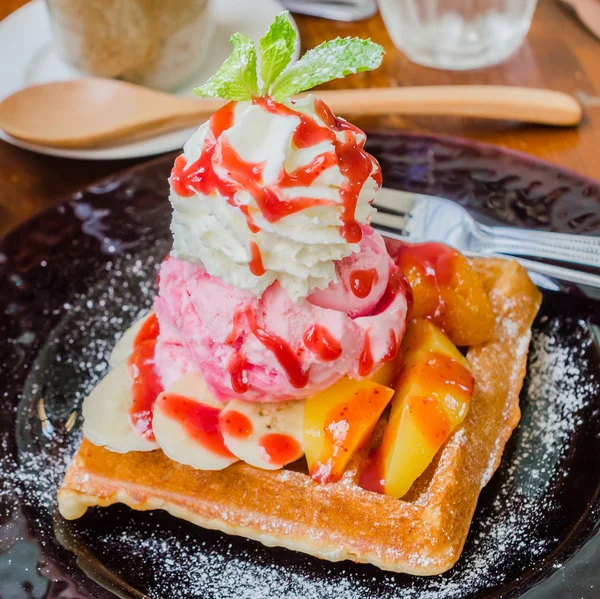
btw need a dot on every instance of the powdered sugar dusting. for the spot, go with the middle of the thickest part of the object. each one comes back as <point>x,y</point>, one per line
<point>70,363</point>
<point>170,559</point>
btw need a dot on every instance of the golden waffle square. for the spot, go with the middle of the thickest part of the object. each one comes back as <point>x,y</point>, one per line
<point>422,533</point>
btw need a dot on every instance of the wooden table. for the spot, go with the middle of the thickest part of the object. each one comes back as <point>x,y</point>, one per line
<point>558,54</point>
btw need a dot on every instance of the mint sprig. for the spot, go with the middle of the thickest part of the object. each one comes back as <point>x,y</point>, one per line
<point>237,77</point>
<point>276,49</point>
<point>330,60</point>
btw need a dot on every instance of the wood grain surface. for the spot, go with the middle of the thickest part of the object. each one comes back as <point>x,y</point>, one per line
<point>559,53</point>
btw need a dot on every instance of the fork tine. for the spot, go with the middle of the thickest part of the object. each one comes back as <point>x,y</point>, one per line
<point>393,201</point>
<point>392,225</point>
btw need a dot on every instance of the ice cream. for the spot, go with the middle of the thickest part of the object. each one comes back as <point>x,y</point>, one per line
<point>267,191</point>
<point>277,287</point>
<point>271,348</point>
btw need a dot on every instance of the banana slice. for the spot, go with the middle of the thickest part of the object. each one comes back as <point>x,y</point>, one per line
<point>106,414</point>
<point>124,346</point>
<point>265,435</point>
<point>186,425</point>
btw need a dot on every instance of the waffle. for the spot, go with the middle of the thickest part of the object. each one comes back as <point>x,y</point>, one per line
<point>421,534</point>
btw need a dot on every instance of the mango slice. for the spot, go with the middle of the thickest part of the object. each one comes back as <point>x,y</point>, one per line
<point>433,394</point>
<point>338,421</point>
<point>446,291</point>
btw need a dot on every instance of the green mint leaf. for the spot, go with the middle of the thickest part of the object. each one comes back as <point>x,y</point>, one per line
<point>331,60</point>
<point>236,78</point>
<point>276,49</point>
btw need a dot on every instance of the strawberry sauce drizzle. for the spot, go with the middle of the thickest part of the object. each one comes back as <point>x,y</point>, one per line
<point>236,323</point>
<point>237,367</point>
<point>397,283</point>
<point>256,264</point>
<point>392,347</point>
<point>361,282</point>
<point>442,376</point>
<point>365,360</point>
<point>248,176</point>
<point>430,418</point>
<point>278,449</point>
<point>355,164</point>
<point>437,261</point>
<point>372,477</point>
<point>246,212</point>
<point>200,421</point>
<point>322,343</point>
<point>200,175</point>
<point>285,355</point>
<point>236,425</point>
<point>304,176</point>
<point>145,383</point>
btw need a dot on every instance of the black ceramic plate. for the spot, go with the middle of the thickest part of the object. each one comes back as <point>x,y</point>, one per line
<point>75,276</point>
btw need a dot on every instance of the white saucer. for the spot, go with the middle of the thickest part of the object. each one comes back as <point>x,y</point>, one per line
<point>28,58</point>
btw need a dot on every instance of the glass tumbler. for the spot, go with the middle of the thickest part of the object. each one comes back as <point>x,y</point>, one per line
<point>457,34</point>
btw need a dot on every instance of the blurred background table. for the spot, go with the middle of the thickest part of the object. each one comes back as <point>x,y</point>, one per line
<point>557,54</point>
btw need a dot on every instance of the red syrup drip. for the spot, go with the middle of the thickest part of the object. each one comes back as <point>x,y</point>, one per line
<point>397,283</point>
<point>430,417</point>
<point>249,222</point>
<point>256,264</point>
<point>365,360</point>
<point>355,164</point>
<point>309,133</point>
<point>306,175</point>
<point>443,376</point>
<point>201,422</point>
<point>436,260</point>
<point>237,367</point>
<point>372,478</point>
<point>321,343</point>
<point>285,355</point>
<point>236,425</point>
<point>145,383</point>
<point>200,175</point>
<point>392,347</point>
<point>436,264</point>
<point>238,364</point>
<point>248,176</point>
<point>278,449</point>
<point>361,282</point>
<point>234,334</point>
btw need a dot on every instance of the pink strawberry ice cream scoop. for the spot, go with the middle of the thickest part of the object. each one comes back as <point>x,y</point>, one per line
<point>362,278</point>
<point>271,348</point>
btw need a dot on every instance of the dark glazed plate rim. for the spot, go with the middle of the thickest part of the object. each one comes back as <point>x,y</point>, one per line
<point>521,156</point>
<point>582,533</point>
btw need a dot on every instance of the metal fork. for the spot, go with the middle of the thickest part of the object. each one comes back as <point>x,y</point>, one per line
<point>416,217</point>
<point>338,10</point>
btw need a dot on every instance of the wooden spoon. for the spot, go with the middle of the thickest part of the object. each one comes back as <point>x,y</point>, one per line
<point>85,113</point>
